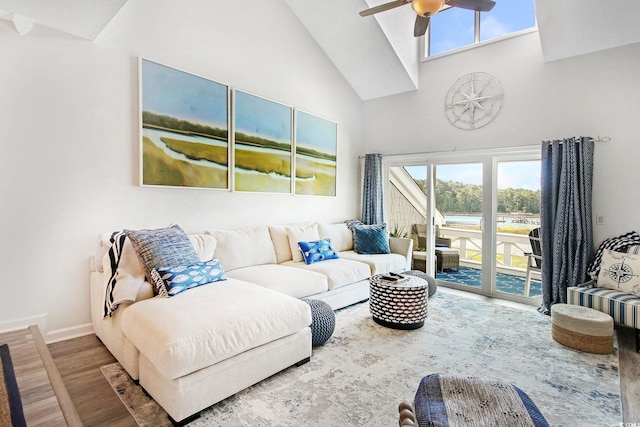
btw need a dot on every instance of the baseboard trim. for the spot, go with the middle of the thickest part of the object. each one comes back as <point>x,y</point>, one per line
<point>68,333</point>
<point>40,320</point>
<point>24,322</point>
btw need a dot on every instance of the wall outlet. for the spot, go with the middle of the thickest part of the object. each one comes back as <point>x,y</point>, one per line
<point>600,219</point>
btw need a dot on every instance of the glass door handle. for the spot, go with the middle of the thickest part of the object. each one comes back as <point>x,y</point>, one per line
<point>482,224</point>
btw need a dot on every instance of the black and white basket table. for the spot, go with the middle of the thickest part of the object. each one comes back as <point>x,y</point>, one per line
<point>398,305</point>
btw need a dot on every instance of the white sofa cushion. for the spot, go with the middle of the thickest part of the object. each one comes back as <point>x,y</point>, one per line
<point>209,324</point>
<point>339,272</point>
<point>379,263</point>
<point>301,233</point>
<point>280,241</point>
<point>204,245</point>
<point>243,247</point>
<point>295,282</point>
<point>341,236</point>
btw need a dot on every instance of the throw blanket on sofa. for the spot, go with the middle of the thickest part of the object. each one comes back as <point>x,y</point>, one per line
<point>123,284</point>
<point>459,401</point>
<point>115,253</point>
<point>629,242</point>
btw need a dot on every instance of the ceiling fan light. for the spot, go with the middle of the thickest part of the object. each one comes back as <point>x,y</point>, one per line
<point>427,7</point>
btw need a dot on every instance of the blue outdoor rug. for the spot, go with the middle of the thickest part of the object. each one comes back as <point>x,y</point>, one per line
<point>10,403</point>
<point>504,282</point>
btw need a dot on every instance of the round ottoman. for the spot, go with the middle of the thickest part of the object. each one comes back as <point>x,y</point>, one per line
<point>398,305</point>
<point>582,328</point>
<point>323,321</point>
<point>433,286</point>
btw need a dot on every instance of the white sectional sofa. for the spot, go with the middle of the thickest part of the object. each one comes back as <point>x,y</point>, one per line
<point>196,348</point>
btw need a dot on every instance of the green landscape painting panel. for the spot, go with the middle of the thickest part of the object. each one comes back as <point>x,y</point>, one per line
<point>185,128</point>
<point>316,155</point>
<point>262,145</point>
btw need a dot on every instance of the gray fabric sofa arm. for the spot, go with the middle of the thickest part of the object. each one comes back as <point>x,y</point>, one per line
<point>402,246</point>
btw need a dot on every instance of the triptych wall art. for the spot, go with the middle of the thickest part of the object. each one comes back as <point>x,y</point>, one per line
<point>199,133</point>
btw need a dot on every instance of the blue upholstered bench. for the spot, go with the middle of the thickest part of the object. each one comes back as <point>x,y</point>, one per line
<point>622,306</point>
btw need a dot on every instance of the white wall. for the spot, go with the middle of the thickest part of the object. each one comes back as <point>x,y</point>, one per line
<point>69,139</point>
<point>591,95</point>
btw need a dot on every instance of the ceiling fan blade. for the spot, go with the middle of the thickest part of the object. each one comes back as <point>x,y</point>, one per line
<point>383,7</point>
<point>422,23</point>
<point>479,5</point>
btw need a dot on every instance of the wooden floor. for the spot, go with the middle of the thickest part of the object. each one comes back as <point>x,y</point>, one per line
<point>79,362</point>
<point>629,375</point>
<point>39,402</point>
<point>45,400</point>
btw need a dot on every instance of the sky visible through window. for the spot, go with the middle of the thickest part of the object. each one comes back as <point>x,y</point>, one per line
<point>454,28</point>
<point>520,174</point>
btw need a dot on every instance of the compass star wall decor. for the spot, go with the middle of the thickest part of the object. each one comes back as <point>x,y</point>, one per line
<point>473,101</point>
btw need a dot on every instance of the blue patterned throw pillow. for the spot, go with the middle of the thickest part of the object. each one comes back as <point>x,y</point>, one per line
<point>181,278</point>
<point>371,239</point>
<point>162,247</point>
<point>316,251</point>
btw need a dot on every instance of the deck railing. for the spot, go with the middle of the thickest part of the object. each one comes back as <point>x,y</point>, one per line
<point>510,248</point>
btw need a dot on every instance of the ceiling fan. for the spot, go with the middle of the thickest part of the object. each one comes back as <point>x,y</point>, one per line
<point>427,8</point>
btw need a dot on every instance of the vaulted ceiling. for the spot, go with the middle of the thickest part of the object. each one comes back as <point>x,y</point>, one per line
<point>377,55</point>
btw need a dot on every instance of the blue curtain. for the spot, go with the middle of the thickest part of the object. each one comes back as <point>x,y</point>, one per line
<point>566,230</point>
<point>372,190</point>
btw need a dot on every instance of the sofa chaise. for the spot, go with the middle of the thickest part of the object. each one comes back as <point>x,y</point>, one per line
<point>191,350</point>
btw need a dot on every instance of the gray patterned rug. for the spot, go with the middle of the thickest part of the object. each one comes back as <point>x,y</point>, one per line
<point>361,374</point>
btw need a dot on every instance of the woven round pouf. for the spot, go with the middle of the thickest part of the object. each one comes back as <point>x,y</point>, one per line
<point>582,328</point>
<point>323,321</point>
<point>433,285</point>
<point>398,305</point>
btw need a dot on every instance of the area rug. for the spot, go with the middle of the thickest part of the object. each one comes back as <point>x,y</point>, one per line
<point>11,413</point>
<point>361,374</point>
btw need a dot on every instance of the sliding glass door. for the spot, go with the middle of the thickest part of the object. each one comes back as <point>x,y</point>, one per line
<point>517,214</point>
<point>408,208</point>
<point>470,219</point>
<point>458,191</point>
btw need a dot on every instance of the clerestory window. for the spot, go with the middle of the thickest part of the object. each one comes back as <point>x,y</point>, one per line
<point>457,28</point>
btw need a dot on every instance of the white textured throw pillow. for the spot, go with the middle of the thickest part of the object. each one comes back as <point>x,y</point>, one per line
<point>341,236</point>
<point>301,233</point>
<point>620,271</point>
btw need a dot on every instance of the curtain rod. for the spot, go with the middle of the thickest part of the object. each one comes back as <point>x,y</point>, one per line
<point>596,139</point>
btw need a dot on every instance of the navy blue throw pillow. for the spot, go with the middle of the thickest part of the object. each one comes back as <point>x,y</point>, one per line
<point>371,239</point>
